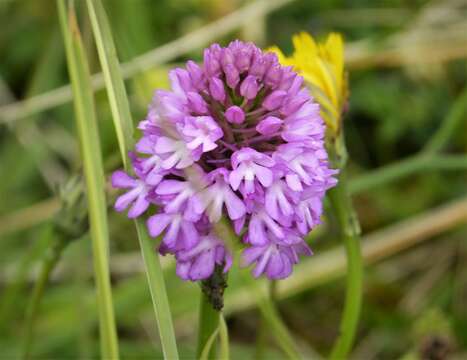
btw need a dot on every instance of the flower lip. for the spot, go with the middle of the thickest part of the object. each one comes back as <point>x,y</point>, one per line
<point>251,155</point>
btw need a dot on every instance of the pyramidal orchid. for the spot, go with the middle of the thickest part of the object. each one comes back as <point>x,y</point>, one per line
<point>238,136</point>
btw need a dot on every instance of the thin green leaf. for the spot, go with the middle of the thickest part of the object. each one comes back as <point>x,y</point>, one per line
<point>158,291</point>
<point>273,319</point>
<point>124,128</point>
<point>113,78</point>
<point>448,126</point>
<point>94,174</point>
<point>208,346</point>
<point>224,339</point>
<point>416,164</point>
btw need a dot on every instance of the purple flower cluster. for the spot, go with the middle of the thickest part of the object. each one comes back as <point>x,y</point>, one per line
<point>238,136</point>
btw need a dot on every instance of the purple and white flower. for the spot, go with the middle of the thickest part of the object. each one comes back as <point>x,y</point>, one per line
<point>237,136</point>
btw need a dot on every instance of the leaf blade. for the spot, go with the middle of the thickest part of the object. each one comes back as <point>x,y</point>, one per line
<point>94,176</point>
<point>124,128</point>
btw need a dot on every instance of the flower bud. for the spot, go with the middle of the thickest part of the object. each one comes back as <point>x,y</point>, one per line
<point>197,103</point>
<point>243,60</point>
<point>273,76</point>
<point>249,87</point>
<point>269,126</point>
<point>296,85</point>
<point>274,100</point>
<point>211,64</point>
<point>287,80</point>
<point>295,103</point>
<point>261,64</point>
<point>216,88</point>
<point>182,77</point>
<point>235,115</point>
<point>196,74</point>
<point>232,76</point>
<point>258,68</point>
<point>227,58</point>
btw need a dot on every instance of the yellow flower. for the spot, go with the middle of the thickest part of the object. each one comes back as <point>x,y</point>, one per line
<point>322,67</point>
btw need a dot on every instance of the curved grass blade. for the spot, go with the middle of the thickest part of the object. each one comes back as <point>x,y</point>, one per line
<point>124,128</point>
<point>112,76</point>
<point>272,318</point>
<point>449,125</point>
<point>208,322</point>
<point>224,339</point>
<point>159,296</point>
<point>94,174</point>
<point>207,348</point>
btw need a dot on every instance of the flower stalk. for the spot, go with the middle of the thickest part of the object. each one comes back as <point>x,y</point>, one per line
<point>51,259</point>
<point>349,226</point>
<point>70,224</point>
<point>195,164</point>
<point>208,323</point>
<point>210,309</point>
<point>322,66</point>
<point>350,229</point>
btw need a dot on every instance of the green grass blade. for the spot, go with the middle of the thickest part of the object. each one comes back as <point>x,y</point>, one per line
<point>205,354</point>
<point>272,318</point>
<point>449,125</point>
<point>94,174</point>
<point>124,128</point>
<point>113,78</point>
<point>158,291</point>
<point>224,339</point>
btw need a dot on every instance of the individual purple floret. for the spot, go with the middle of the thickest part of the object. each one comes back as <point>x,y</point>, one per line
<point>239,137</point>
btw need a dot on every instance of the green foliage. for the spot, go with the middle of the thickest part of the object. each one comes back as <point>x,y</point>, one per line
<point>393,112</point>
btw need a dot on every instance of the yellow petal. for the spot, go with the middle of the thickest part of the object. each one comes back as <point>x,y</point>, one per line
<point>322,67</point>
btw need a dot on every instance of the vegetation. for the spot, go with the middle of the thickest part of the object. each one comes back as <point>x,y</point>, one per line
<point>78,281</point>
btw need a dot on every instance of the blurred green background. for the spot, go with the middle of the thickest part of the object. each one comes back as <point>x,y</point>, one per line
<point>408,76</point>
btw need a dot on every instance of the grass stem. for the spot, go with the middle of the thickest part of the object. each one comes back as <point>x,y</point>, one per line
<point>123,124</point>
<point>52,257</point>
<point>350,229</point>
<point>94,174</point>
<point>401,169</point>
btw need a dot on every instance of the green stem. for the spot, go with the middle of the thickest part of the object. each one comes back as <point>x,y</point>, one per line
<point>262,336</point>
<point>123,124</point>
<point>13,290</point>
<point>87,129</point>
<point>448,126</point>
<point>206,353</point>
<point>224,349</point>
<point>69,224</point>
<point>48,265</point>
<point>270,314</point>
<point>281,334</point>
<point>406,167</point>
<point>348,222</point>
<point>158,291</point>
<point>208,323</point>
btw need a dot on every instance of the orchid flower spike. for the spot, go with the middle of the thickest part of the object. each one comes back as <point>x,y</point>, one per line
<point>238,137</point>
